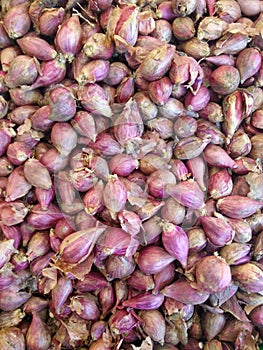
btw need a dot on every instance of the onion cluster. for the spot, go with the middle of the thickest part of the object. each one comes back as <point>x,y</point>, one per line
<point>131,184</point>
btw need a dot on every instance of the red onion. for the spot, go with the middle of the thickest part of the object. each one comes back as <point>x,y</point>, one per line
<point>175,242</point>
<point>191,293</point>
<point>17,21</point>
<point>248,63</point>
<point>224,80</point>
<point>212,279</point>
<point>183,28</point>
<point>35,46</point>
<point>68,39</point>
<point>157,63</point>
<point>33,342</point>
<point>64,138</point>
<point>97,46</point>
<point>22,71</point>
<point>62,104</point>
<point>147,262</point>
<point>51,72</point>
<point>130,174</point>
<point>72,249</point>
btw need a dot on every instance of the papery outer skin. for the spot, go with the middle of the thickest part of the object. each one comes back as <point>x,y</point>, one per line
<point>38,245</point>
<point>128,125</point>
<point>184,8</point>
<point>186,69</point>
<point>231,44</point>
<point>183,28</point>
<point>22,97</point>
<point>185,126</point>
<point>18,152</point>
<point>173,211</point>
<point>197,239</point>
<point>7,248</point>
<point>93,199</point>
<point>62,104</point>
<point>123,22</point>
<point>180,170</point>
<point>199,100</point>
<point>113,241</point>
<point>232,110</point>
<point>130,222</point>
<point>211,28</point>
<point>122,164</point>
<point>240,145</point>
<point>198,169</point>
<point>84,124</point>
<point>119,267</point>
<point>212,112</point>
<point>97,46</point>
<point>160,90</point>
<point>64,138</point>
<point>44,197</point>
<point>95,70</point>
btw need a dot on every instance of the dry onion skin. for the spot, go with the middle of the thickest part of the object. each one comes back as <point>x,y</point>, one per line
<point>131,198</point>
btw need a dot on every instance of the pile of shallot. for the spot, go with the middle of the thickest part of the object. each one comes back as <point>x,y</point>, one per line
<point>131,183</point>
